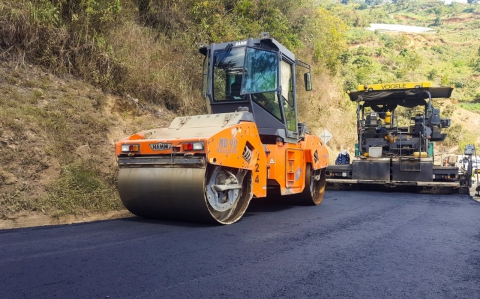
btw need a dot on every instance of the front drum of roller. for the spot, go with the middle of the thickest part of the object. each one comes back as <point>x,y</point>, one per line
<point>178,194</point>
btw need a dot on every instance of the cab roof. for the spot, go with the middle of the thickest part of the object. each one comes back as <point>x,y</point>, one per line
<point>266,43</point>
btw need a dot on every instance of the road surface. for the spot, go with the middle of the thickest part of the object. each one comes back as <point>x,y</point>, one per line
<point>356,244</point>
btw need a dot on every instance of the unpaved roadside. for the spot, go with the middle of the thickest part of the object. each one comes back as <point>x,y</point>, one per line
<point>37,219</point>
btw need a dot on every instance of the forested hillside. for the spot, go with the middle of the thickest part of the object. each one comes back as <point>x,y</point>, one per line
<point>79,75</point>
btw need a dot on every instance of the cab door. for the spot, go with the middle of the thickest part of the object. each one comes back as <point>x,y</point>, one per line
<point>288,98</point>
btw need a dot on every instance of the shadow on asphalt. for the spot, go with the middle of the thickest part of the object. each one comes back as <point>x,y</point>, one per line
<point>136,219</point>
<point>268,205</point>
<point>257,206</point>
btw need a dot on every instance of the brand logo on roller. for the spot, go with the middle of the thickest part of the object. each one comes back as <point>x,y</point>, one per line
<point>160,146</point>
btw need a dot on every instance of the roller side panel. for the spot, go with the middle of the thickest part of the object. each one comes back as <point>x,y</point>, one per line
<point>286,163</point>
<point>239,146</point>
<point>316,153</point>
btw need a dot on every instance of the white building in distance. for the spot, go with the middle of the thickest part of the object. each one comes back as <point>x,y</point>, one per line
<point>400,28</point>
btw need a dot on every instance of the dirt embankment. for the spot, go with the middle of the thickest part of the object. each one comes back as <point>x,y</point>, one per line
<point>52,126</point>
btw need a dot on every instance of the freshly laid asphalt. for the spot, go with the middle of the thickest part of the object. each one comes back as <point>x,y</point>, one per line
<point>356,244</point>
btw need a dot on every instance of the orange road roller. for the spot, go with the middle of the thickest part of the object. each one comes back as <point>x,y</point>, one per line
<point>207,168</point>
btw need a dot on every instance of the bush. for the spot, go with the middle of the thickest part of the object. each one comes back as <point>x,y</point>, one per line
<point>359,36</point>
<point>444,80</point>
<point>439,49</point>
<point>476,65</point>
<point>362,61</point>
<point>80,189</point>
<point>432,74</point>
<point>458,84</point>
<point>394,41</point>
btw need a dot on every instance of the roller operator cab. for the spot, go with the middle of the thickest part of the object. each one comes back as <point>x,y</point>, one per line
<point>397,126</point>
<point>207,168</point>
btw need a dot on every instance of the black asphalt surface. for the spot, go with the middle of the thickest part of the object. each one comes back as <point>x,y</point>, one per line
<point>356,244</point>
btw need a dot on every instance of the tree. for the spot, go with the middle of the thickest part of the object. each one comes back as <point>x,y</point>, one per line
<point>432,74</point>
<point>329,43</point>
<point>401,3</point>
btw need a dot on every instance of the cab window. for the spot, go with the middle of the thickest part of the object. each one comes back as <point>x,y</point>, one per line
<point>261,71</point>
<point>287,96</point>
<point>227,73</point>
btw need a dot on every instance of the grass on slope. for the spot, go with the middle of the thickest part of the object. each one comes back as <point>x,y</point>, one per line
<point>56,143</point>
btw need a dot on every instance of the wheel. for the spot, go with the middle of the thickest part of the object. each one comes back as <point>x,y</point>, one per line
<point>228,192</point>
<point>315,183</point>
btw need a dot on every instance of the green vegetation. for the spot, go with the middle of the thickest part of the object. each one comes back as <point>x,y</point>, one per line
<point>80,188</point>
<point>449,57</point>
<point>149,48</point>
<point>470,106</point>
